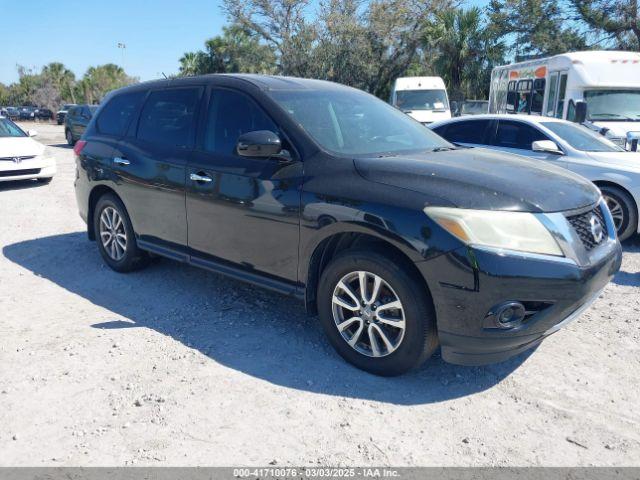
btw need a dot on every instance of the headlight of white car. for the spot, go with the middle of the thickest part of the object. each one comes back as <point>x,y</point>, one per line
<point>518,231</point>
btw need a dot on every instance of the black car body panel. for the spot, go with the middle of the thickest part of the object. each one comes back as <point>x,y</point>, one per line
<point>479,179</point>
<point>77,119</point>
<point>270,220</point>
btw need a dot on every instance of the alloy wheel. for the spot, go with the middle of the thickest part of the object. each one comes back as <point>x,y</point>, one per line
<point>617,212</point>
<point>368,314</point>
<point>113,234</point>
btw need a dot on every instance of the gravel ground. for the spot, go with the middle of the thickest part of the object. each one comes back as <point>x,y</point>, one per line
<point>177,366</point>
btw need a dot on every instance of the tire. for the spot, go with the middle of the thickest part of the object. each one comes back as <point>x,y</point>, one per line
<point>412,346</point>
<point>623,209</point>
<point>120,258</point>
<point>69,136</point>
<point>45,180</point>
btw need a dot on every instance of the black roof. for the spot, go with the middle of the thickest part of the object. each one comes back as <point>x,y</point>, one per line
<point>263,82</point>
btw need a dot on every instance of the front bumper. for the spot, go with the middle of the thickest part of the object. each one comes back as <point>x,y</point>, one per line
<point>39,167</point>
<point>467,284</point>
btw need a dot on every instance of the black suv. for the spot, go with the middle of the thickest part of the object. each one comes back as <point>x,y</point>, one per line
<point>76,121</point>
<point>400,241</point>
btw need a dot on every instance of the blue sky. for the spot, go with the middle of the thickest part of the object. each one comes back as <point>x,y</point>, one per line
<point>82,33</point>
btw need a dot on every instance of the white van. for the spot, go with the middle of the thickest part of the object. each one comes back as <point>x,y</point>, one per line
<point>608,81</point>
<point>423,98</point>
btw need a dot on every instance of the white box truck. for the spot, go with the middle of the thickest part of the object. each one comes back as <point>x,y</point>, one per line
<point>423,98</point>
<point>607,83</point>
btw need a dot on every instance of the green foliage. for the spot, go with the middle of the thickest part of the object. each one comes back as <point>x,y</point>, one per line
<point>100,80</point>
<point>535,27</point>
<point>616,19</point>
<point>464,51</point>
<point>237,50</point>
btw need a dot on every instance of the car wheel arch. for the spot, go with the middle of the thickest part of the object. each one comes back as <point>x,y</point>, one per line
<point>96,193</point>
<point>334,244</point>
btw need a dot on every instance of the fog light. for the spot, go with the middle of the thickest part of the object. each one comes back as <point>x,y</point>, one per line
<point>505,315</point>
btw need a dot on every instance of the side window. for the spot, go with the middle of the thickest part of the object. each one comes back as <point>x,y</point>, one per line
<point>470,131</point>
<point>524,96</point>
<point>551,99</point>
<point>167,116</point>
<point>518,135</point>
<point>230,115</point>
<point>116,114</point>
<point>537,98</point>
<point>562,90</point>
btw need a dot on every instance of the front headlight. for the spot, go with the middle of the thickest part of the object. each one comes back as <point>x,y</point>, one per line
<point>518,231</point>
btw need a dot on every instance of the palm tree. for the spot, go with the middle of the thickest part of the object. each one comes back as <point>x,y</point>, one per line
<point>62,78</point>
<point>189,64</point>
<point>464,51</point>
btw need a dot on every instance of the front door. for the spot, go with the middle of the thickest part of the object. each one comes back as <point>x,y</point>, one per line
<point>513,136</point>
<point>242,211</point>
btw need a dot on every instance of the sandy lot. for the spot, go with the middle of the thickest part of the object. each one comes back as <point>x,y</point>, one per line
<point>177,366</point>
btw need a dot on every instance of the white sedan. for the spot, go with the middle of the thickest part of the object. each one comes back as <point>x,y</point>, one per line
<point>615,171</point>
<point>21,157</point>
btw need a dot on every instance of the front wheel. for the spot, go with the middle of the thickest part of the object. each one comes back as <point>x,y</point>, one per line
<point>115,236</point>
<point>377,314</point>
<point>623,210</point>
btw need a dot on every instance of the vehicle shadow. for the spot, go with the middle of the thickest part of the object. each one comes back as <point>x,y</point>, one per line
<point>624,278</point>
<point>259,333</point>
<point>19,185</point>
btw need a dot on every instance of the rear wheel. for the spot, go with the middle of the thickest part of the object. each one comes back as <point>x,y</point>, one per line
<point>623,210</point>
<point>115,236</point>
<point>376,314</point>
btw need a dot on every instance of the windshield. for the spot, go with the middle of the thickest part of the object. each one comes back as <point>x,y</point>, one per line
<point>581,138</point>
<point>616,105</point>
<point>407,100</point>
<point>351,122</point>
<point>475,108</point>
<point>10,129</point>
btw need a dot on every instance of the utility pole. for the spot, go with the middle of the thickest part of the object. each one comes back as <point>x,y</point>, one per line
<point>122,48</point>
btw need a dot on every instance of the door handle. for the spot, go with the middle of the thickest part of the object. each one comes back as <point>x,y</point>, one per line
<point>200,178</point>
<point>121,161</point>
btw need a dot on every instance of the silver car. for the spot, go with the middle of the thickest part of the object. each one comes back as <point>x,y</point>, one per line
<point>615,171</point>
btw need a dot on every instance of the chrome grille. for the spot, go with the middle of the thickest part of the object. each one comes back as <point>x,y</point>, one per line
<point>582,225</point>
<point>16,159</point>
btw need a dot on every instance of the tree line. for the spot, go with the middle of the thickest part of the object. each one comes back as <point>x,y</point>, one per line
<point>367,44</point>
<point>55,85</point>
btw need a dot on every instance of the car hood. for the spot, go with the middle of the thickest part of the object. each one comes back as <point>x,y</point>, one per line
<point>19,147</point>
<point>483,179</point>
<point>623,160</point>
<point>619,129</point>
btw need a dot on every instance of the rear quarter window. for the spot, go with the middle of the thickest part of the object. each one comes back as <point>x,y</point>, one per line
<point>116,115</point>
<point>468,131</point>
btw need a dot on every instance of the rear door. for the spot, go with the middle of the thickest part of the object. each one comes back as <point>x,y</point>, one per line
<point>150,164</point>
<point>469,133</point>
<point>245,210</point>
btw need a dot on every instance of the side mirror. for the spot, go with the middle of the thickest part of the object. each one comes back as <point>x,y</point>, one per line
<point>32,133</point>
<point>581,112</point>
<point>260,143</point>
<point>546,146</point>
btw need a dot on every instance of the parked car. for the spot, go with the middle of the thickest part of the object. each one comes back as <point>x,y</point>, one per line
<point>43,114</point>
<point>27,113</point>
<point>76,121</point>
<point>615,172</point>
<point>12,113</point>
<point>62,113</point>
<point>398,239</point>
<point>473,107</point>
<point>21,157</point>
